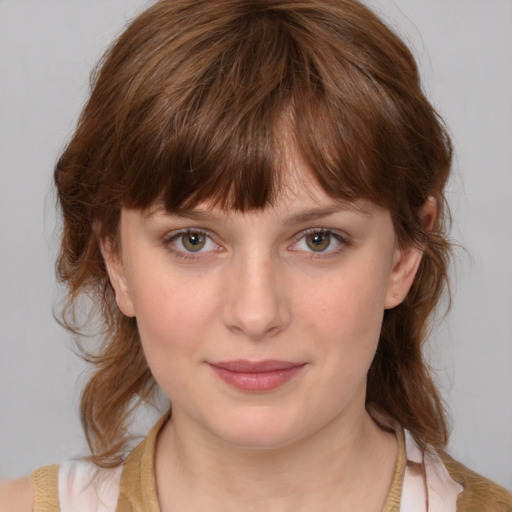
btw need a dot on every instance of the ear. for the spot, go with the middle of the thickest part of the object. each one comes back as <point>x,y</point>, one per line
<point>408,258</point>
<point>115,270</point>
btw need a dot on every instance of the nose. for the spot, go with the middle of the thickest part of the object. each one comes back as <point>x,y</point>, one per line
<point>256,305</point>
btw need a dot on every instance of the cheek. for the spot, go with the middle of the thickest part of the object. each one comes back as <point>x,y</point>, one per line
<point>171,320</point>
<point>350,303</point>
<point>344,317</point>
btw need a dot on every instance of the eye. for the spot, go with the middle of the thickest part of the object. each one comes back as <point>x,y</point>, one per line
<point>319,241</point>
<point>191,241</point>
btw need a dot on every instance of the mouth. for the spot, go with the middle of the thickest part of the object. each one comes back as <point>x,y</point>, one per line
<point>256,376</point>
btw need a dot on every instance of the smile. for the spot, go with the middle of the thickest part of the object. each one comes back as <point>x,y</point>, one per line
<point>256,376</point>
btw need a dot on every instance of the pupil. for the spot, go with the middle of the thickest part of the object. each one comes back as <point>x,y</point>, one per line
<point>194,241</point>
<point>194,238</point>
<point>318,241</point>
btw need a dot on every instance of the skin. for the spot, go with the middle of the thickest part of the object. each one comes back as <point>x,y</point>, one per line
<point>16,496</point>
<point>257,291</point>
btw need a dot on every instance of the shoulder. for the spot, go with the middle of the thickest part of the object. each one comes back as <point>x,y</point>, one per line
<point>76,486</point>
<point>17,496</point>
<point>85,487</point>
<point>45,482</point>
<point>480,494</point>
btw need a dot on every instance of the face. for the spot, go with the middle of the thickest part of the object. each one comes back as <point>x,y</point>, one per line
<point>261,326</point>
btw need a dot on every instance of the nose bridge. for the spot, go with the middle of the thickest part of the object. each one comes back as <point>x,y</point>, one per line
<point>256,305</point>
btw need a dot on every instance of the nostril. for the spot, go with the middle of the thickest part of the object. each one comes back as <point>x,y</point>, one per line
<point>256,322</point>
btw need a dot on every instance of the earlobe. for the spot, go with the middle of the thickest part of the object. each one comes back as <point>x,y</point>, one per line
<point>408,259</point>
<point>117,278</point>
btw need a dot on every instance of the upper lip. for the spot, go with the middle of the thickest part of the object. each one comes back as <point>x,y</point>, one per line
<point>243,366</point>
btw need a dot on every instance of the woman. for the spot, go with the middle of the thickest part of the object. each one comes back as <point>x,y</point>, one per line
<point>253,199</point>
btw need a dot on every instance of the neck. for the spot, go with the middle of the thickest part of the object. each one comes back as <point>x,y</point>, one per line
<point>351,460</point>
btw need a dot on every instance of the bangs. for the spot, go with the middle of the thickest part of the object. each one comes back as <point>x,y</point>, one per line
<point>244,165</point>
<point>209,115</point>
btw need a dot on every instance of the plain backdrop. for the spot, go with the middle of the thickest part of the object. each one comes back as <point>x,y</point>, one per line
<point>47,49</point>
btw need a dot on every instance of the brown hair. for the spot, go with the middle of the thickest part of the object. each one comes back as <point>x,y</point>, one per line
<point>189,104</point>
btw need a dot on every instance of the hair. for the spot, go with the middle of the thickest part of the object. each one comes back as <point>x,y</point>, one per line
<point>191,103</point>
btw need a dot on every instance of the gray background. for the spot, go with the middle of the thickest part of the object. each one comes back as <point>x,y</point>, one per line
<point>47,49</point>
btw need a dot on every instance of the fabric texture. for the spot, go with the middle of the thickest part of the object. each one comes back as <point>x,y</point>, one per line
<point>83,487</point>
<point>46,489</point>
<point>481,494</point>
<point>422,482</point>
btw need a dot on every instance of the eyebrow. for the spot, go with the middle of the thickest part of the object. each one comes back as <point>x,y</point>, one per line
<point>290,220</point>
<point>319,213</point>
<point>191,214</point>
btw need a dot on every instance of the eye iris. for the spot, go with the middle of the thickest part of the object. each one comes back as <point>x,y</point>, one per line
<point>318,241</point>
<point>193,241</point>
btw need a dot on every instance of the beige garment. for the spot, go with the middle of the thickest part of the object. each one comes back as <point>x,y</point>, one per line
<point>137,492</point>
<point>421,482</point>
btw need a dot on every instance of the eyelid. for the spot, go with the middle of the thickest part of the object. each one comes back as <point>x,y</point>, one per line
<point>171,236</point>
<point>183,231</point>
<point>342,239</point>
<point>338,235</point>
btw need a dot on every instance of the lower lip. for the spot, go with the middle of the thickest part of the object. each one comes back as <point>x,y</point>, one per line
<point>259,381</point>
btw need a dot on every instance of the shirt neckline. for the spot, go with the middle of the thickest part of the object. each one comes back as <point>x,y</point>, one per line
<point>137,489</point>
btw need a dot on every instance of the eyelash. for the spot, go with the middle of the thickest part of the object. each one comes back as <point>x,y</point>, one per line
<point>190,255</point>
<point>186,255</point>
<point>342,240</point>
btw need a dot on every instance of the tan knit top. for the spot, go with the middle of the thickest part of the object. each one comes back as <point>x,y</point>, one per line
<point>133,485</point>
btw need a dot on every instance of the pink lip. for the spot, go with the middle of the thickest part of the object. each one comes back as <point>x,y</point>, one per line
<point>256,376</point>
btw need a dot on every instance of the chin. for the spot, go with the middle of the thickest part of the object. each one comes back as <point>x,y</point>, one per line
<point>259,432</point>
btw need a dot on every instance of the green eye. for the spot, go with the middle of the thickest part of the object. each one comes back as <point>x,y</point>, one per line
<point>194,241</point>
<point>318,241</point>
